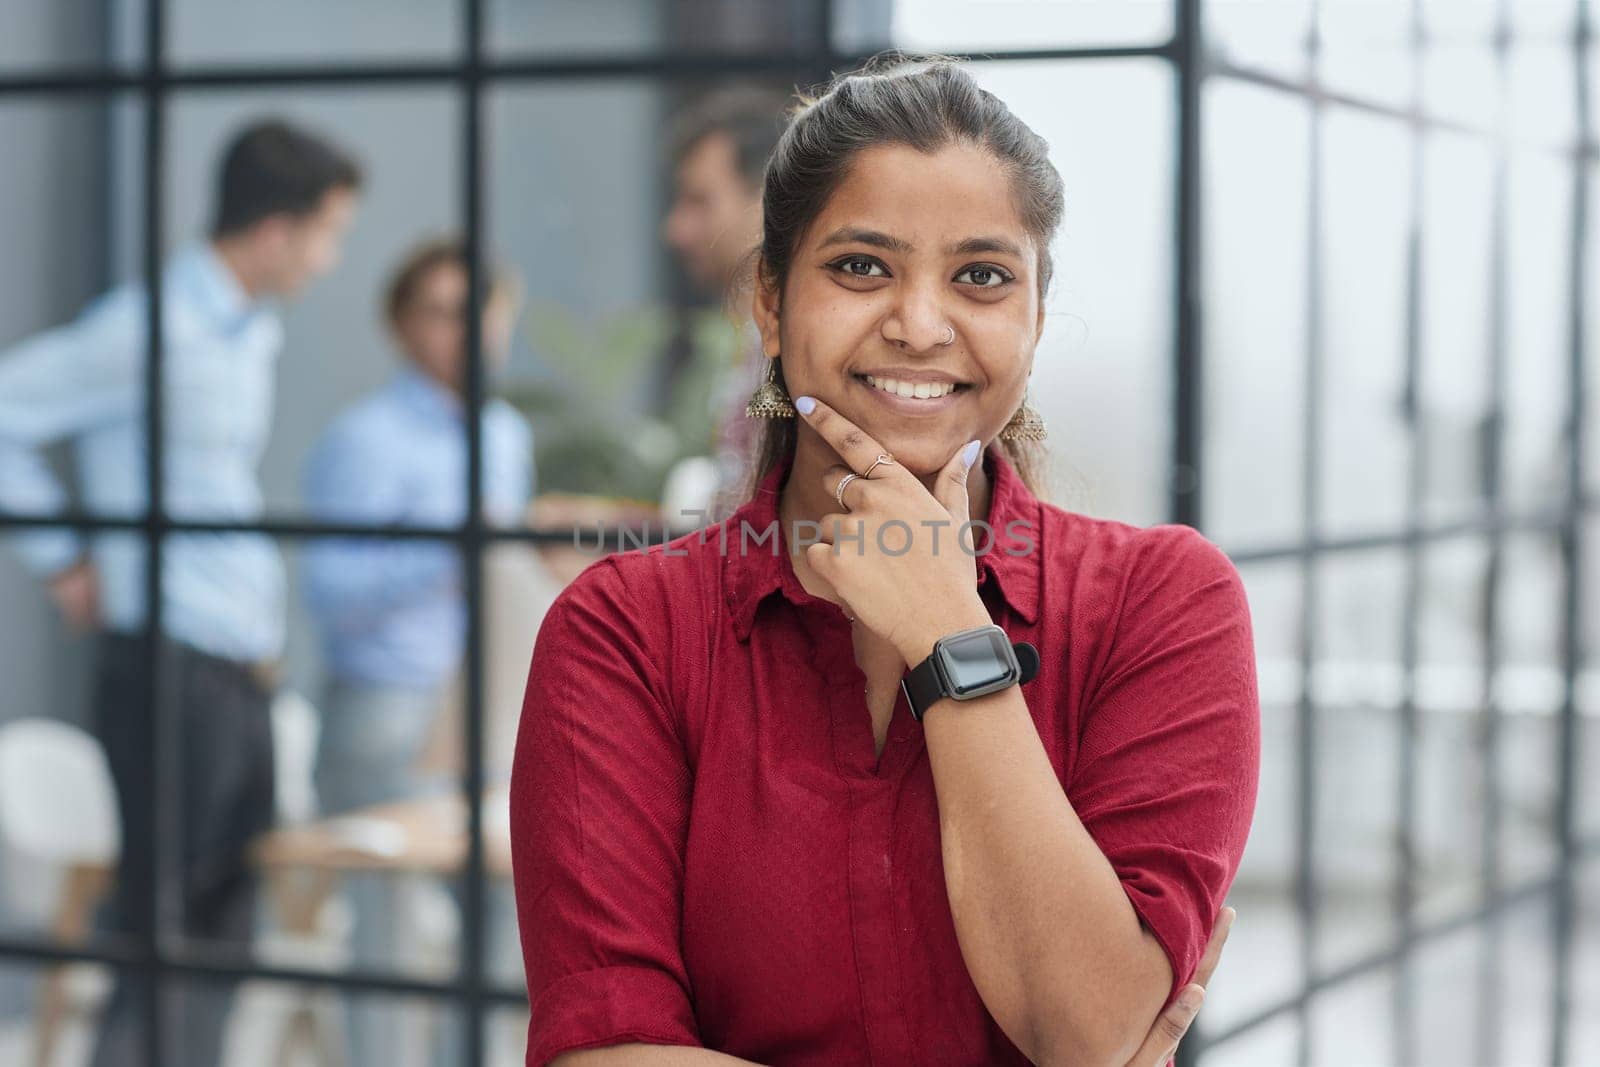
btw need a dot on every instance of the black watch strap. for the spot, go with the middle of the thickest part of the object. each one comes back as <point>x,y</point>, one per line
<point>923,687</point>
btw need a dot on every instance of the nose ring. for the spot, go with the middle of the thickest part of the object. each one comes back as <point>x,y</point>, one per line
<point>951,339</point>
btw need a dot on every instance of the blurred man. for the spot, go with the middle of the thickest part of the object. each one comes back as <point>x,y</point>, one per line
<point>285,200</point>
<point>392,614</point>
<point>719,150</point>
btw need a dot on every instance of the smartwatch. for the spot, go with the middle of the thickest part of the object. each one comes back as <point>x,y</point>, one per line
<point>968,664</point>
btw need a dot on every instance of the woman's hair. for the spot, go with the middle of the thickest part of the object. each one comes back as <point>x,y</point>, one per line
<point>926,103</point>
<point>422,260</point>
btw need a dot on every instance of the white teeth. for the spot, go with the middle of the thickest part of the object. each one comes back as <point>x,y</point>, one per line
<point>917,391</point>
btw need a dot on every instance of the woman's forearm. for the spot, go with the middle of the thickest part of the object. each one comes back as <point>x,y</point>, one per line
<point>644,1055</point>
<point>1048,934</point>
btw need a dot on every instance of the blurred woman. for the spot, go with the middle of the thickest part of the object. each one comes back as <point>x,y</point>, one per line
<point>392,613</point>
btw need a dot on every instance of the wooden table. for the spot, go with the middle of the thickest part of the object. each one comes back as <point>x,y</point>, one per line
<point>303,864</point>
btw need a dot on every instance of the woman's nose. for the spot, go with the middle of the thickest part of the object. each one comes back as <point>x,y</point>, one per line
<point>917,320</point>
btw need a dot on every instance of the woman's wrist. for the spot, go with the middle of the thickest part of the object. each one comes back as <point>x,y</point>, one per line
<point>916,643</point>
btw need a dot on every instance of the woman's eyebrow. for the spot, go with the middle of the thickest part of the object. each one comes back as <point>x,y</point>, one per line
<point>974,245</point>
<point>851,235</point>
<point>848,235</point>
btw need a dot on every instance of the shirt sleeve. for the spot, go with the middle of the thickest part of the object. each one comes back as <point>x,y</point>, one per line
<point>352,583</point>
<point>600,790</point>
<point>1169,753</point>
<point>53,385</point>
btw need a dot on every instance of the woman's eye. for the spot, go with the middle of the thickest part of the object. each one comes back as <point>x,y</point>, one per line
<point>984,277</point>
<point>860,267</point>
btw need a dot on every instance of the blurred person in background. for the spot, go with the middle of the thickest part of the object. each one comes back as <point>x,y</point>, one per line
<point>719,149</point>
<point>285,202</point>
<point>392,613</point>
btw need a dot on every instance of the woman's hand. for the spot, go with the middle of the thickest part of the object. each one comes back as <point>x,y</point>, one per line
<point>1161,1044</point>
<point>894,558</point>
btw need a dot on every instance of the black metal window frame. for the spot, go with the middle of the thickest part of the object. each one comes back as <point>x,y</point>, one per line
<point>812,60</point>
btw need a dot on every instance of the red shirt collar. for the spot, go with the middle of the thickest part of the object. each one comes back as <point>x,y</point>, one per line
<point>758,565</point>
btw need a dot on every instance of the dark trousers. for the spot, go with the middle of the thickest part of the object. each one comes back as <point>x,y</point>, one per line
<point>223,768</point>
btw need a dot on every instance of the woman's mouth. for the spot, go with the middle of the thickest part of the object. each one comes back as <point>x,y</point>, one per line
<point>913,398</point>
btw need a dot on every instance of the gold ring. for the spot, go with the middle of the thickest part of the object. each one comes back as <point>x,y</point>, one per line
<point>883,457</point>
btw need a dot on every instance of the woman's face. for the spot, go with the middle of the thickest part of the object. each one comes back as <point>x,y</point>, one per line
<point>909,247</point>
<point>432,327</point>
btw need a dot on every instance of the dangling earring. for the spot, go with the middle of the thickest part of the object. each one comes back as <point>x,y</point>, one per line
<point>1025,425</point>
<point>770,401</point>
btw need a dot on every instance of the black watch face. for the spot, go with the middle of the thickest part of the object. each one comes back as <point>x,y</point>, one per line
<point>975,662</point>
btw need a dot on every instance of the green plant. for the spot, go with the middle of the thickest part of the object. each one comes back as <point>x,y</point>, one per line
<point>589,435</point>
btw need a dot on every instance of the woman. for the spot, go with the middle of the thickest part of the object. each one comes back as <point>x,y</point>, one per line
<point>392,614</point>
<point>731,827</point>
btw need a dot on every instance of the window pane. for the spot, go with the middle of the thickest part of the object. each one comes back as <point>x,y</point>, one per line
<point>1264,946</point>
<point>54,1011</point>
<point>1363,231</point>
<point>568,28</point>
<point>1449,696</point>
<point>1269,36</point>
<point>59,830</point>
<point>1553,18</point>
<point>1460,83</point>
<point>579,217</point>
<point>1540,199</point>
<point>1456,321</point>
<point>1358,789</point>
<point>1359,619</point>
<point>1256,184</point>
<point>1588,696</point>
<point>1264,886</point>
<point>1591,371</point>
<point>323,785</point>
<point>1542,99</point>
<point>216,32</point>
<point>1358,686</point>
<point>70,35</point>
<point>1529,691</point>
<point>1525,979</point>
<point>1352,1022</point>
<point>278,1022</point>
<point>1455,20</point>
<point>72,189</point>
<point>1583,1039</point>
<point>1445,997</point>
<point>1364,50</point>
<point>946,25</point>
<point>1102,376</point>
<point>1274,1042</point>
<point>335,350</point>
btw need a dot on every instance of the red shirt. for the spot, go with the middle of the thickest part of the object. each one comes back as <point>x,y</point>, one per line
<point>708,852</point>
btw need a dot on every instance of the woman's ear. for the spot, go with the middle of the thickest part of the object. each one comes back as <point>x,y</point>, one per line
<point>764,307</point>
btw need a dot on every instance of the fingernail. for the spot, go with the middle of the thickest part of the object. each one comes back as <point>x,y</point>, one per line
<point>805,405</point>
<point>1190,999</point>
<point>969,454</point>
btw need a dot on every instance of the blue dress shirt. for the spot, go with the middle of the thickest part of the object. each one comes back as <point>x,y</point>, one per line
<point>391,612</point>
<point>84,382</point>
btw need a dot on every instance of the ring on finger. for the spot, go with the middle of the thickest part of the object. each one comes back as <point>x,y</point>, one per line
<point>883,457</point>
<point>838,490</point>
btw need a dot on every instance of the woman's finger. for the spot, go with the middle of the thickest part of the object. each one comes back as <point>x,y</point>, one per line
<point>1161,1043</point>
<point>854,445</point>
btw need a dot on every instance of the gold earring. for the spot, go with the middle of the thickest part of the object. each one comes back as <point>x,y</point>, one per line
<point>770,401</point>
<point>1025,425</point>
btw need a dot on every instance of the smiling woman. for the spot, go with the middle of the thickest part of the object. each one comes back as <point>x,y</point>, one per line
<point>733,831</point>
